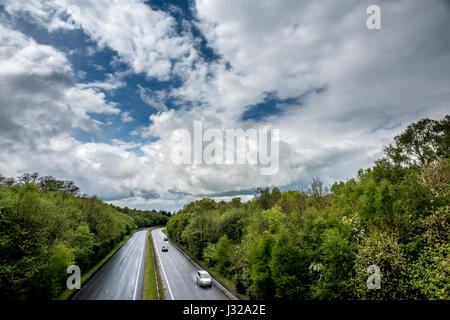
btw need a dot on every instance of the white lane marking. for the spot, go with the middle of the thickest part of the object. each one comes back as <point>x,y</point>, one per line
<point>164,272</point>
<point>131,247</point>
<point>139,272</point>
<point>129,251</point>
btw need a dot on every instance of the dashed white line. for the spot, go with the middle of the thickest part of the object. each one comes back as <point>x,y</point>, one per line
<point>164,272</point>
<point>138,274</point>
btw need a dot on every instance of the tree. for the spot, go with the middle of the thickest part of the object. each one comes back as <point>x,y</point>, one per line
<point>289,269</point>
<point>232,224</point>
<point>421,143</point>
<point>437,177</point>
<point>201,230</point>
<point>49,183</point>
<point>266,198</point>
<point>82,240</point>
<point>44,231</point>
<point>431,271</point>
<point>61,257</point>
<point>262,286</point>
<point>337,254</point>
<point>222,255</point>
<point>381,248</point>
<point>235,202</point>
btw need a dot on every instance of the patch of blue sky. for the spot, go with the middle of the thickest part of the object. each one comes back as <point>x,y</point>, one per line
<point>269,107</point>
<point>91,64</point>
<point>79,49</point>
<point>273,105</point>
<point>181,11</point>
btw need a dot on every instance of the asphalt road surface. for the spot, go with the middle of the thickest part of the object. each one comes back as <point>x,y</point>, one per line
<point>121,278</point>
<point>178,274</point>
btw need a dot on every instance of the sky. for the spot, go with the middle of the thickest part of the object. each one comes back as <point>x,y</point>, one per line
<point>92,91</point>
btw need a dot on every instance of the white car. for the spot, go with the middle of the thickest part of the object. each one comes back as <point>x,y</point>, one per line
<point>203,279</point>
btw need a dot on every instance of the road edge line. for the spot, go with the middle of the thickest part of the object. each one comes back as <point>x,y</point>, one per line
<point>150,255</point>
<point>218,284</point>
<point>155,269</point>
<point>94,274</point>
<point>164,272</point>
<point>140,267</point>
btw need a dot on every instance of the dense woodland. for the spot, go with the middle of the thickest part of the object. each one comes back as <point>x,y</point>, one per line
<point>318,243</point>
<point>46,226</point>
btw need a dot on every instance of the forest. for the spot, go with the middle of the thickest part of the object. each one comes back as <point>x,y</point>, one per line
<point>45,226</point>
<point>318,243</point>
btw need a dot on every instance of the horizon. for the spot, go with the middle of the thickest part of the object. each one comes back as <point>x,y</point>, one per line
<point>94,92</point>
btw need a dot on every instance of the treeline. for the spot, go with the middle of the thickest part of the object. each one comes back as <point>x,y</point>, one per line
<point>45,226</point>
<point>318,244</point>
<point>145,218</point>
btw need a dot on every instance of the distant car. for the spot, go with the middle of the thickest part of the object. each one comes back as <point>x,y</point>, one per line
<point>165,238</point>
<point>203,278</point>
<point>165,248</point>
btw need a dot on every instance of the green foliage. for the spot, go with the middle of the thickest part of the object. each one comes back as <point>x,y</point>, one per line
<point>437,178</point>
<point>319,244</point>
<point>60,257</point>
<point>421,143</point>
<point>232,224</point>
<point>267,198</point>
<point>337,255</point>
<point>289,269</point>
<point>82,240</point>
<point>45,227</point>
<point>201,230</point>
<point>260,255</point>
<point>382,249</point>
<point>280,245</point>
<point>219,255</point>
<point>431,273</point>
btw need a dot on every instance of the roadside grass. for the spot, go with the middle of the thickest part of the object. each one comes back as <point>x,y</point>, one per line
<point>226,282</point>
<point>67,294</point>
<point>150,290</point>
<point>158,275</point>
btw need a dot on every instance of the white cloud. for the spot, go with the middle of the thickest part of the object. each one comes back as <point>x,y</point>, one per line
<point>126,117</point>
<point>146,39</point>
<point>111,83</point>
<point>154,98</point>
<point>46,105</point>
<point>373,83</point>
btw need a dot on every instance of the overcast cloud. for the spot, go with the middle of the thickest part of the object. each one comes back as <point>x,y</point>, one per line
<point>339,91</point>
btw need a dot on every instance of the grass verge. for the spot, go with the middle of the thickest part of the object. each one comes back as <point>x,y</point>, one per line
<point>158,275</point>
<point>67,294</point>
<point>150,290</point>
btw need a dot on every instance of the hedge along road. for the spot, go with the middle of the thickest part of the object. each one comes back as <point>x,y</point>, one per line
<point>178,273</point>
<point>121,278</point>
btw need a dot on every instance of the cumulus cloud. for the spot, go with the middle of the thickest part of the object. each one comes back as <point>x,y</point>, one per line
<point>39,95</point>
<point>154,98</point>
<point>352,90</point>
<point>146,39</point>
<point>40,105</point>
<point>126,117</point>
<point>374,82</point>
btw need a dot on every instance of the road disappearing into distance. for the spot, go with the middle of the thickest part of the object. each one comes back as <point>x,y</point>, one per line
<point>178,273</point>
<point>121,278</point>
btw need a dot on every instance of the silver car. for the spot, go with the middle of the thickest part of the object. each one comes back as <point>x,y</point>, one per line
<point>203,278</point>
<point>164,248</point>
